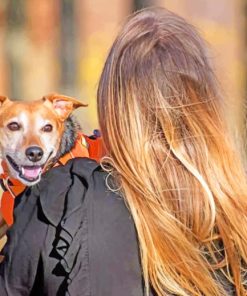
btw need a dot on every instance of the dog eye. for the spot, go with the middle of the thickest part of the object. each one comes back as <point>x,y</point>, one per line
<point>14,126</point>
<point>47,128</point>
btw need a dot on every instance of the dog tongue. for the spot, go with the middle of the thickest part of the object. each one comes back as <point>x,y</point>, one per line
<point>31,172</point>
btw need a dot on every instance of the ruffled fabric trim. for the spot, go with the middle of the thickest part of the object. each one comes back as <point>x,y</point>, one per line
<point>71,242</point>
<point>73,250</point>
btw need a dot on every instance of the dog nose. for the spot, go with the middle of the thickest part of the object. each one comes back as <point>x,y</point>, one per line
<point>34,153</point>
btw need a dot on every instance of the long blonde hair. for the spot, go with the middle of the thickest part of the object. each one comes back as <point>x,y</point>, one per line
<point>158,107</point>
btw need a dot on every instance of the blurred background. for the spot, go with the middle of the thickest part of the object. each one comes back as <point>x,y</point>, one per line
<point>60,46</point>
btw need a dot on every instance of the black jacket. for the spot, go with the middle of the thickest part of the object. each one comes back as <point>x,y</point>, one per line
<point>72,236</point>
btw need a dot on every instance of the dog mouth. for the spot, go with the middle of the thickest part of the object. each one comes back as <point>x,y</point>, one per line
<point>28,173</point>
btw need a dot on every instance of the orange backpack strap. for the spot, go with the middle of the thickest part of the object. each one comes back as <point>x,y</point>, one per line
<point>11,188</point>
<point>80,149</point>
<point>7,207</point>
<point>85,146</point>
<point>95,146</point>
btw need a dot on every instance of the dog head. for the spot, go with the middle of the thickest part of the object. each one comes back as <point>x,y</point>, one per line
<point>31,134</point>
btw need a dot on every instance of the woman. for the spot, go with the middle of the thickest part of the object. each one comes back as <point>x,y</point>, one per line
<point>169,160</point>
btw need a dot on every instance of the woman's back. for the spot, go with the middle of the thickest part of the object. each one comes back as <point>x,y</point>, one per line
<point>161,117</point>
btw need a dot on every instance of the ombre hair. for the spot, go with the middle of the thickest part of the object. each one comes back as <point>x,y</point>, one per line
<point>159,109</point>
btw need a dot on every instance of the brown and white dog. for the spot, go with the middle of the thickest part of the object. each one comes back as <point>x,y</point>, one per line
<point>33,137</point>
<point>34,134</point>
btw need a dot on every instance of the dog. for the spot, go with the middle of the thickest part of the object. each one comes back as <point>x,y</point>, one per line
<point>35,136</point>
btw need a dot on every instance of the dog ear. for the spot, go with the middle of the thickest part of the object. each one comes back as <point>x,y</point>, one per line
<point>63,105</point>
<point>3,99</point>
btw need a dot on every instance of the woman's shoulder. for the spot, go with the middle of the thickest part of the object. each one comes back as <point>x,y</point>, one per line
<point>81,182</point>
<point>82,166</point>
<point>100,190</point>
